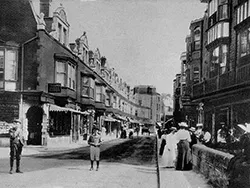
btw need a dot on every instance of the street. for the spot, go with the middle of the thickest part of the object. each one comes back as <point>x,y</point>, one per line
<point>125,163</point>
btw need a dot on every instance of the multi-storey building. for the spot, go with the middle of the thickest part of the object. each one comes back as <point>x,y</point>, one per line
<point>58,89</point>
<point>221,94</point>
<point>147,96</point>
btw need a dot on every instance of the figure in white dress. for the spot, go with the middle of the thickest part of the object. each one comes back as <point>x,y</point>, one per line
<point>170,149</point>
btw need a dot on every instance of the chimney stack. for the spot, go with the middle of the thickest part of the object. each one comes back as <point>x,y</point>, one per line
<point>45,7</point>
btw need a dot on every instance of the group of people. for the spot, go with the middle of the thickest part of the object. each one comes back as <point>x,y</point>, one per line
<point>175,147</point>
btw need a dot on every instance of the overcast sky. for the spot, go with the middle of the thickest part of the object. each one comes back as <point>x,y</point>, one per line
<point>141,39</point>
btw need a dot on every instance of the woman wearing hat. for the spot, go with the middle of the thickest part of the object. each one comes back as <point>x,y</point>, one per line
<point>184,156</point>
<point>169,153</point>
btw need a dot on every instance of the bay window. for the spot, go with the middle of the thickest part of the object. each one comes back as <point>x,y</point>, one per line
<point>218,31</point>
<point>88,85</point>
<point>212,7</point>
<point>243,11</point>
<point>8,68</point>
<point>66,74</point>
<point>100,96</point>
<point>218,59</point>
<point>61,73</point>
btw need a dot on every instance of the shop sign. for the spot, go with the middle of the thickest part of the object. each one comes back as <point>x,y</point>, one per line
<point>54,88</point>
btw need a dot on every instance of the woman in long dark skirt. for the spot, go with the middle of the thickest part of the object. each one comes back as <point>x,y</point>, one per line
<point>184,157</point>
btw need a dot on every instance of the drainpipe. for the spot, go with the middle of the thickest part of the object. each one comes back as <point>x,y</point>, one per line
<point>22,71</point>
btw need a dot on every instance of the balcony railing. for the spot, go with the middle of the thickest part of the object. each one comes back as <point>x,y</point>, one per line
<point>223,81</point>
<point>211,85</point>
<point>226,80</point>
<point>243,74</point>
<point>198,89</point>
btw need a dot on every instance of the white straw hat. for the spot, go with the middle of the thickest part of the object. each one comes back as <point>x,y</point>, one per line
<point>199,125</point>
<point>183,124</point>
<point>245,127</point>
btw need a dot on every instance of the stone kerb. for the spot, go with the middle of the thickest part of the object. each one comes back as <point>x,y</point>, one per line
<point>212,164</point>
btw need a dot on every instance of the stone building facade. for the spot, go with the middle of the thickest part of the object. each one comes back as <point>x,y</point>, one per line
<point>59,90</point>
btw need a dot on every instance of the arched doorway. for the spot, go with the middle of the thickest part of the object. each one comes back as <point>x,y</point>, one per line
<point>35,117</point>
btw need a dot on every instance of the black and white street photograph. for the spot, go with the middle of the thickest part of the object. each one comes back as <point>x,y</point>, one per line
<point>125,93</point>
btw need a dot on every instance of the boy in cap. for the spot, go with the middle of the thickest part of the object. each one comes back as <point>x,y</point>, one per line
<point>95,142</point>
<point>16,145</point>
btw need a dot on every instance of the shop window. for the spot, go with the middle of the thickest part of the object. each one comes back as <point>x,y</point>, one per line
<point>8,68</point>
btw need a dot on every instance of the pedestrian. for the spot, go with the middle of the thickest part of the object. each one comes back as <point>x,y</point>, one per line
<point>239,165</point>
<point>193,137</point>
<point>184,157</point>
<point>221,135</point>
<point>206,139</point>
<point>163,141</point>
<point>199,132</point>
<point>170,150</point>
<point>95,142</point>
<point>16,145</point>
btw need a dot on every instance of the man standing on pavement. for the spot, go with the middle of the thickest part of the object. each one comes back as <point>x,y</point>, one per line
<point>95,142</point>
<point>16,145</point>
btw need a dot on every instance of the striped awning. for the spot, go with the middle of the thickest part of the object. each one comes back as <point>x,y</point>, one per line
<point>119,117</point>
<point>53,107</point>
<point>108,118</point>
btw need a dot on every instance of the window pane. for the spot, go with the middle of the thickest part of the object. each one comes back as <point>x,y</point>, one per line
<point>245,11</point>
<point>225,29</point>
<point>248,14</point>
<point>243,44</point>
<point>10,65</point>
<point>223,59</point>
<point>1,67</point>
<point>85,91</point>
<point>60,78</point>
<point>219,30</point>
<point>241,13</point>
<point>60,67</point>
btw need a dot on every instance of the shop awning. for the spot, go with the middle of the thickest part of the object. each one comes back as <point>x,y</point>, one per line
<point>117,116</point>
<point>133,120</point>
<point>53,107</point>
<point>108,118</point>
<point>148,121</point>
